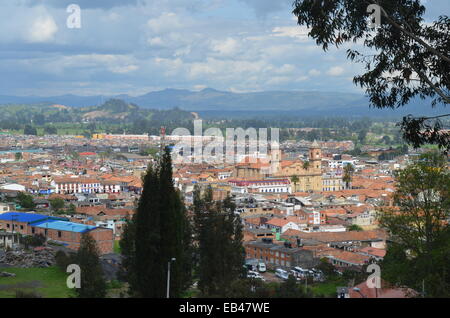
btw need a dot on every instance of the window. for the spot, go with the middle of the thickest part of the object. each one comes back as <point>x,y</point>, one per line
<point>32,230</point>
<point>21,227</point>
<point>59,234</point>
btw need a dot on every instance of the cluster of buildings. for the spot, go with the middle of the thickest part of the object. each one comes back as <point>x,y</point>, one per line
<point>294,204</point>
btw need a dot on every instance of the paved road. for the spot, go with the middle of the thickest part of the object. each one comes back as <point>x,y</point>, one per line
<point>270,277</point>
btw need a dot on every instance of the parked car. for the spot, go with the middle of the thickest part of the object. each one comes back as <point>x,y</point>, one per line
<point>256,275</point>
<point>262,267</point>
<point>300,272</point>
<point>281,273</point>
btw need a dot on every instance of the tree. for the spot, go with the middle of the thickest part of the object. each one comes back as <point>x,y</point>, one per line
<point>30,130</point>
<point>326,267</point>
<point>220,252</point>
<point>291,289</point>
<point>18,156</point>
<point>418,226</point>
<point>128,251</point>
<point>25,201</point>
<point>408,57</point>
<point>295,180</point>
<point>93,284</point>
<point>355,227</point>
<point>71,209</point>
<point>387,140</point>
<point>159,231</point>
<point>348,174</point>
<point>57,204</point>
<point>362,136</point>
<point>249,288</point>
<point>50,130</point>
<point>306,165</point>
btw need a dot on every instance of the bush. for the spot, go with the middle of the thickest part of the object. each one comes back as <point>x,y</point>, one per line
<point>63,260</point>
<point>27,294</point>
<point>33,241</point>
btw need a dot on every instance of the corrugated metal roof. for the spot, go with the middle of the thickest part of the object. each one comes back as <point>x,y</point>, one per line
<point>22,217</point>
<point>64,226</point>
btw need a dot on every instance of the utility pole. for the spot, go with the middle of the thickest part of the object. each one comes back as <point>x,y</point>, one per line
<point>168,276</point>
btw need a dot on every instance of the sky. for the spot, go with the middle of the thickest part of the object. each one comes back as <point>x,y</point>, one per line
<point>137,46</point>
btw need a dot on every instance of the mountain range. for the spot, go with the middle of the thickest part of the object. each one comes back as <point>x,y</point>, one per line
<point>213,101</point>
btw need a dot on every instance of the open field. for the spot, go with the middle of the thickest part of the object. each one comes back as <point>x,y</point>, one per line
<point>47,282</point>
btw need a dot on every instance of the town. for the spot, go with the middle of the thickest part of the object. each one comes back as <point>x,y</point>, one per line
<point>303,203</point>
<point>190,153</point>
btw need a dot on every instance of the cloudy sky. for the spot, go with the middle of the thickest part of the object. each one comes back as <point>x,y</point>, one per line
<point>137,46</point>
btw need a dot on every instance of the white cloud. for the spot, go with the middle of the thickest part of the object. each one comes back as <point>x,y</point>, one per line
<point>298,32</point>
<point>168,21</point>
<point>314,72</point>
<point>226,47</point>
<point>42,29</point>
<point>336,71</point>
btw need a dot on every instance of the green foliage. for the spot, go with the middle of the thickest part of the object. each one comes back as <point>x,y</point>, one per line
<point>348,174</point>
<point>93,284</point>
<point>220,254</point>
<point>63,260</point>
<point>355,227</point>
<point>33,240</point>
<point>71,209</point>
<point>48,282</point>
<point>420,250</point>
<point>411,56</point>
<point>159,231</point>
<point>57,204</point>
<point>50,130</point>
<point>30,130</point>
<point>25,200</point>
<point>326,267</point>
<point>291,289</point>
<point>27,294</point>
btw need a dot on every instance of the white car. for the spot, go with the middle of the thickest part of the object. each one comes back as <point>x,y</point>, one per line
<point>262,267</point>
<point>281,273</point>
<point>256,275</point>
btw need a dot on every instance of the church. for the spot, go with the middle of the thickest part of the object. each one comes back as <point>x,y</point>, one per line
<point>304,175</point>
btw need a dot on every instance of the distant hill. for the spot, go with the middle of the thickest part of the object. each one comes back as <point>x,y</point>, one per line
<point>307,103</point>
<point>112,111</point>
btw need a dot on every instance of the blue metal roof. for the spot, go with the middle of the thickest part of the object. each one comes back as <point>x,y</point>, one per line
<point>64,226</point>
<point>25,217</point>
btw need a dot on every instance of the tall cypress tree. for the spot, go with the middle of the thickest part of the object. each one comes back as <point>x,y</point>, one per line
<point>158,232</point>
<point>93,284</point>
<point>220,251</point>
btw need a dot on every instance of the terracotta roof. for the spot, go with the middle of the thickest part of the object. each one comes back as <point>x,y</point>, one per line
<point>386,291</point>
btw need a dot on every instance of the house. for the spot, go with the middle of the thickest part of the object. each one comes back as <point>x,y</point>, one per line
<point>6,207</point>
<point>56,229</point>
<point>276,255</point>
<point>281,225</point>
<point>386,291</point>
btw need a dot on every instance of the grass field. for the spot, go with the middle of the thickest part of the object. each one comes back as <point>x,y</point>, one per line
<point>328,289</point>
<point>47,282</point>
